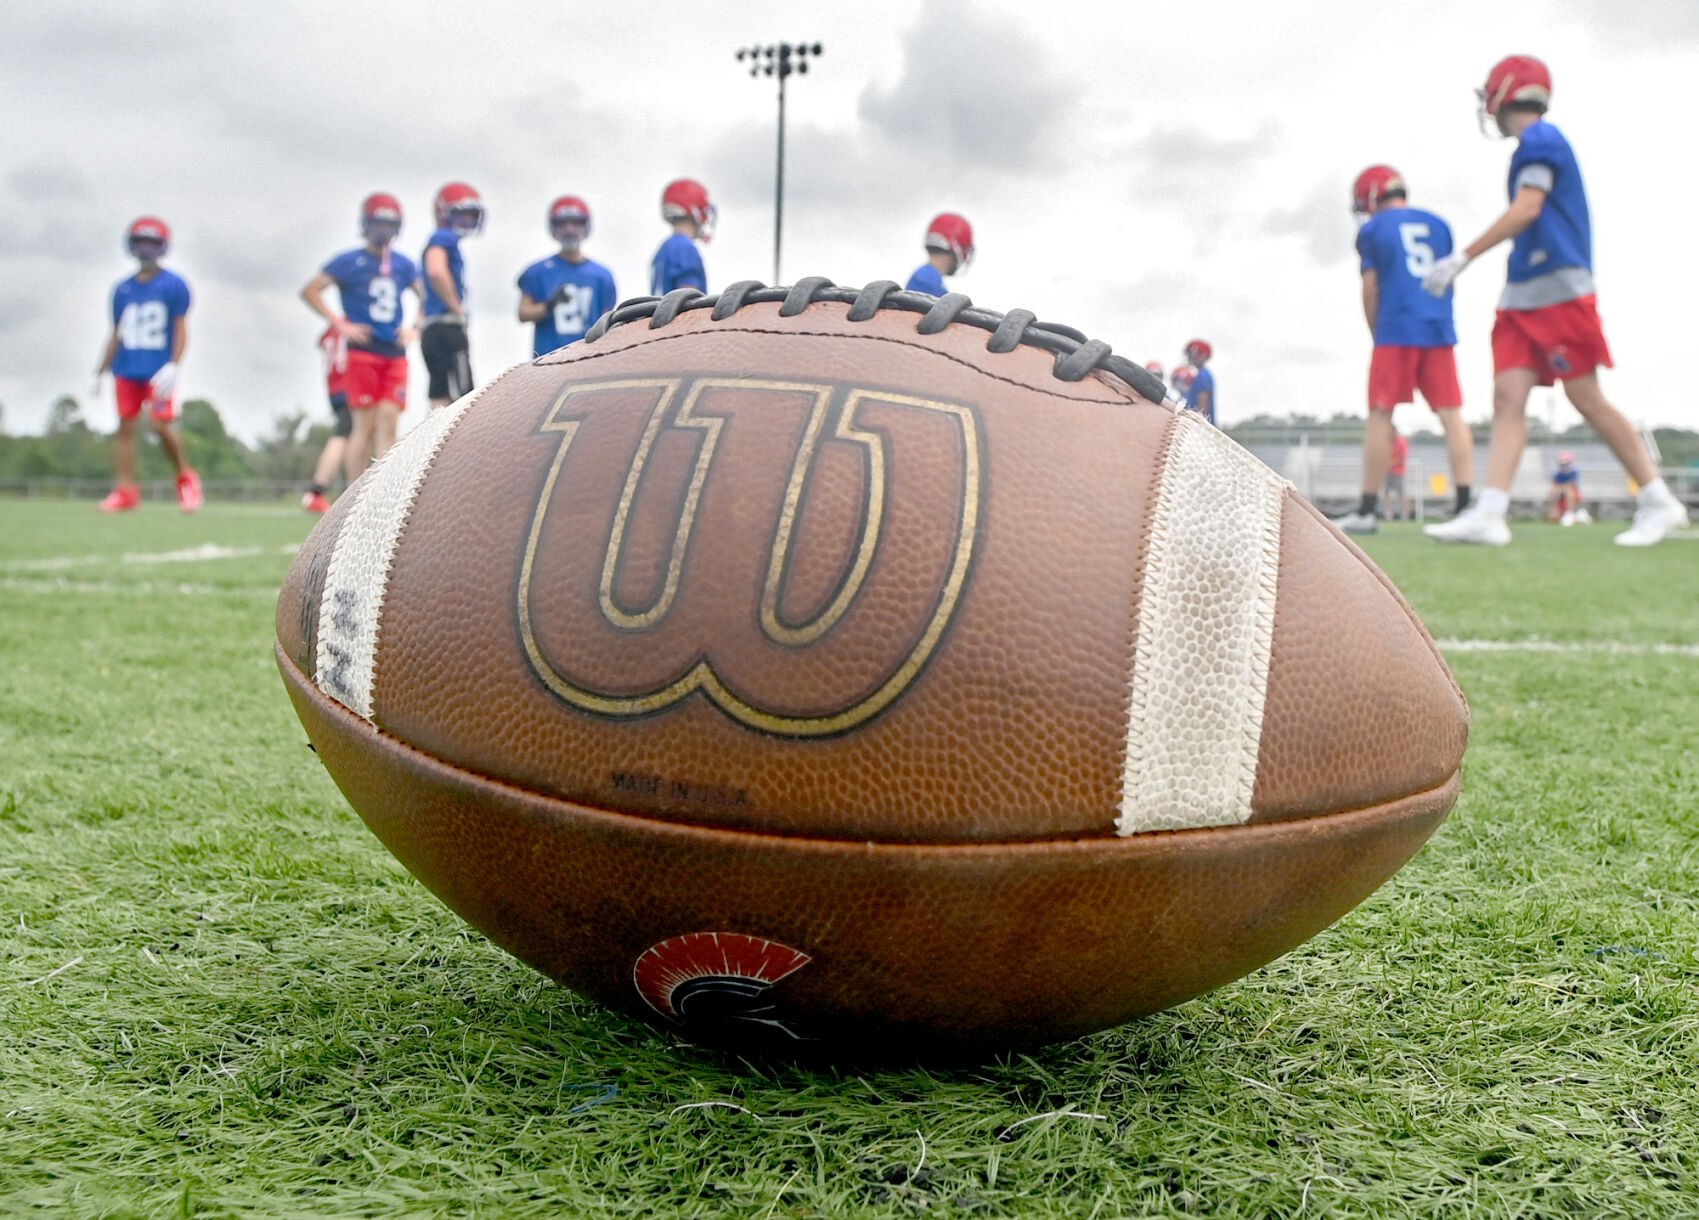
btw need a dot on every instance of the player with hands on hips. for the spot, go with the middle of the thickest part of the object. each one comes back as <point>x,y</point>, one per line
<point>678,263</point>
<point>566,292</point>
<point>1547,326</point>
<point>150,332</point>
<point>949,250</point>
<point>1414,336</point>
<point>370,281</point>
<point>442,335</point>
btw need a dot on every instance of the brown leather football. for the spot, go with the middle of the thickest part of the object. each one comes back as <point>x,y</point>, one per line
<point>861,671</point>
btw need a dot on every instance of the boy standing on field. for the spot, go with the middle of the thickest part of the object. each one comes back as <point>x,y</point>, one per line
<point>150,331</point>
<point>1548,321</point>
<point>1415,339</point>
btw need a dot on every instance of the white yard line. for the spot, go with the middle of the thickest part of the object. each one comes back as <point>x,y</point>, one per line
<point>1596,647</point>
<point>195,554</point>
<point>58,586</point>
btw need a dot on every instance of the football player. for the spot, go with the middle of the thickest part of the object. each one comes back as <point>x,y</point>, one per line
<point>1566,507</point>
<point>949,250</point>
<point>334,348</point>
<point>1181,378</point>
<point>150,331</point>
<point>1414,337</point>
<point>678,263</point>
<point>442,336</point>
<point>566,292</point>
<point>1200,395</point>
<point>1548,322</point>
<point>370,281</point>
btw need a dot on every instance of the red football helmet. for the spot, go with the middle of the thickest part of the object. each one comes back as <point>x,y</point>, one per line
<point>1182,378</point>
<point>380,217</point>
<point>150,231</point>
<point>1515,78</point>
<point>1197,351</point>
<point>460,208</point>
<point>569,219</point>
<point>1155,369</point>
<point>1373,185</point>
<point>953,234</point>
<point>687,199</point>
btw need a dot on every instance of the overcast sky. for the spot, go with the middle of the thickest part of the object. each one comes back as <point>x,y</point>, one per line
<point>1144,172</point>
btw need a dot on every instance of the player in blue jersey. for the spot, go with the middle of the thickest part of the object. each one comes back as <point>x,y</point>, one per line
<point>678,263</point>
<point>150,331</point>
<point>566,292</point>
<point>1566,506</point>
<point>949,249</point>
<point>370,281</point>
<point>442,333</point>
<point>1548,322</point>
<point>1415,339</point>
<point>1200,395</point>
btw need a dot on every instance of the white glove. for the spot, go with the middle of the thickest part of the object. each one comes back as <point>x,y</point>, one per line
<point>164,383</point>
<point>1444,271</point>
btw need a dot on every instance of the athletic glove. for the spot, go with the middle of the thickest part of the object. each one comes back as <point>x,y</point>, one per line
<point>1444,271</point>
<point>164,383</point>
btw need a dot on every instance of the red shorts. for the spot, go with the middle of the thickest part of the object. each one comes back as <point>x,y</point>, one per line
<point>1558,342</point>
<point>372,379</point>
<point>1396,373</point>
<point>134,395</point>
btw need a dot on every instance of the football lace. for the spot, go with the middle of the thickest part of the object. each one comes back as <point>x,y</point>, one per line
<point>1075,354</point>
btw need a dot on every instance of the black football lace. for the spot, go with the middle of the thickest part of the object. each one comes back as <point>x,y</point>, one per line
<point>1076,355</point>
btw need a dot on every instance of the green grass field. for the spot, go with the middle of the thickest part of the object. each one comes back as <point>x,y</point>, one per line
<point>220,996</point>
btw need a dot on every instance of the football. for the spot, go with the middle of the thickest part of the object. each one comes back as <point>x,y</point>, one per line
<point>859,672</point>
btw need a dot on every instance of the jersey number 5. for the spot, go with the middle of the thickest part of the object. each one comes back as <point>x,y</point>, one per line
<point>1418,255</point>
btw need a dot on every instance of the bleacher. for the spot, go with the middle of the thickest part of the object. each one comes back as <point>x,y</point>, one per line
<point>1330,475</point>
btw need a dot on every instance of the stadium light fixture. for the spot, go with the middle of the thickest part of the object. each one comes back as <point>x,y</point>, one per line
<point>779,60</point>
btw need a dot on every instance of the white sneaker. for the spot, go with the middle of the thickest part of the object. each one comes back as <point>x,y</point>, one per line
<point>1566,519</point>
<point>1471,525</point>
<point>1358,523</point>
<point>1652,522</point>
<point>1583,517</point>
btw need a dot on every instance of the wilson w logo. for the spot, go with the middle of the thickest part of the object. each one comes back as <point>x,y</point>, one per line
<point>794,552</point>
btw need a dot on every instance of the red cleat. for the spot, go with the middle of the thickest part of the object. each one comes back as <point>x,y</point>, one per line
<point>123,498</point>
<point>314,502</point>
<point>189,491</point>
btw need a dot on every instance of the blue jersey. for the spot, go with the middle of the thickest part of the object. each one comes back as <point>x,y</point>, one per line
<point>576,294</point>
<point>1563,234</point>
<point>1203,383</point>
<point>677,264</point>
<point>927,279</point>
<point>1401,245</point>
<point>1569,475</point>
<point>371,286</point>
<point>449,240</point>
<point>145,313</point>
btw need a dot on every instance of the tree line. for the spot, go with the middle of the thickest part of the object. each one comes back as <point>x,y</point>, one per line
<point>70,449</point>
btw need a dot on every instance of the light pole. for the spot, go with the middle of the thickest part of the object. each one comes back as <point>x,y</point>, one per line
<point>780,60</point>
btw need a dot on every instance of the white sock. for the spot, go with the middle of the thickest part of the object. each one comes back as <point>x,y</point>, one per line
<point>1655,492</point>
<point>1493,502</point>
